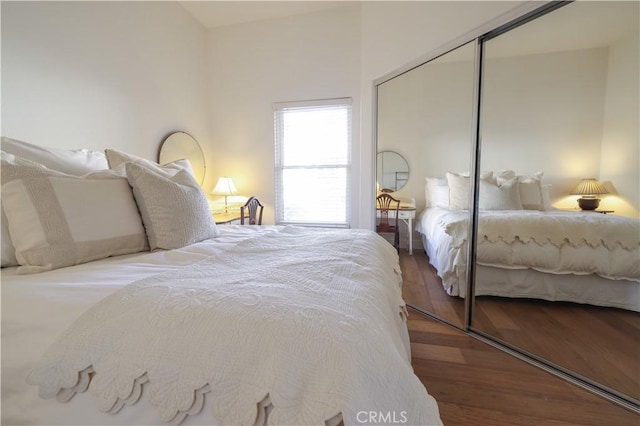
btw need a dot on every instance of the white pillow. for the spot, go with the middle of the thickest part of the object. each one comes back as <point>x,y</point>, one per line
<point>117,159</point>
<point>436,192</point>
<point>530,187</point>
<point>72,162</point>
<point>174,209</point>
<point>546,197</point>
<point>499,197</point>
<point>459,189</point>
<point>57,220</point>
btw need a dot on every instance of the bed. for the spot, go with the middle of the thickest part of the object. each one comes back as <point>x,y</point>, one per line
<point>544,253</point>
<point>248,325</point>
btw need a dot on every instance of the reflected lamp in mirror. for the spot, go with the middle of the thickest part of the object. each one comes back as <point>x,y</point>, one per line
<point>589,189</point>
<point>226,188</point>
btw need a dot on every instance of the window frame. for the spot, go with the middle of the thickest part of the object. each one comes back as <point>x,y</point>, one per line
<point>279,110</point>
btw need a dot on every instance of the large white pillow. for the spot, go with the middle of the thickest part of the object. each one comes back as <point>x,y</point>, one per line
<point>459,188</point>
<point>436,192</point>
<point>76,162</point>
<point>530,187</point>
<point>499,197</point>
<point>174,209</point>
<point>57,220</point>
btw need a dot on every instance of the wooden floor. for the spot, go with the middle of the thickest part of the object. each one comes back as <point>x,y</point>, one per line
<point>475,383</point>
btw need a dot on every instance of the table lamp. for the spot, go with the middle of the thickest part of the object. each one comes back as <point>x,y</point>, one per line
<point>589,189</point>
<point>225,187</point>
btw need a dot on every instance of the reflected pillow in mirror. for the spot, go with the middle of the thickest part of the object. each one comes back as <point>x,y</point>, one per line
<point>499,197</point>
<point>530,187</point>
<point>459,188</point>
<point>436,192</point>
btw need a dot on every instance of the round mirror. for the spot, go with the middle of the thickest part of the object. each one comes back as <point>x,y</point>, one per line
<point>392,171</point>
<point>180,145</point>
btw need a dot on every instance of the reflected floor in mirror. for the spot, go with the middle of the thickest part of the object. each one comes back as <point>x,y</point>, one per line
<point>477,384</point>
<point>423,288</point>
<point>575,328</point>
<point>594,341</point>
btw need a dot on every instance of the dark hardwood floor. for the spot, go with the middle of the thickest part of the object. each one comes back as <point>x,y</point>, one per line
<point>477,384</point>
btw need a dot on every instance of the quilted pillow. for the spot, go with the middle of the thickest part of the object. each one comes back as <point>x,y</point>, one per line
<point>174,209</point>
<point>57,220</point>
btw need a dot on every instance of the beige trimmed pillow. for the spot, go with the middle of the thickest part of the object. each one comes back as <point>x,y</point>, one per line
<point>174,209</point>
<point>57,220</point>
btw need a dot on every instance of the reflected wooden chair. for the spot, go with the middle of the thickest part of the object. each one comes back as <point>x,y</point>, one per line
<point>252,211</point>
<point>386,204</point>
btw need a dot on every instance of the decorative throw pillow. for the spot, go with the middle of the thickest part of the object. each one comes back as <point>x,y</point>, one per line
<point>57,220</point>
<point>174,209</point>
<point>459,189</point>
<point>437,192</point>
<point>499,197</point>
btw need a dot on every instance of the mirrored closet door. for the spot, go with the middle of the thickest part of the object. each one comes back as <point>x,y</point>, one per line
<point>559,104</point>
<point>425,116</point>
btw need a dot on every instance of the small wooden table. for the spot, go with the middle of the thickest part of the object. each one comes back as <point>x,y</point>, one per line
<point>226,218</point>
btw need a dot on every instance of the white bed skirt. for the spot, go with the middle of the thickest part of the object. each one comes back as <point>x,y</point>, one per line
<point>529,283</point>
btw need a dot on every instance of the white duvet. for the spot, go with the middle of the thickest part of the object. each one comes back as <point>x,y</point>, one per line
<point>317,342</point>
<point>602,248</point>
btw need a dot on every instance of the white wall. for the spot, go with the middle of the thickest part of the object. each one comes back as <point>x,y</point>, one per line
<point>620,160</point>
<point>545,113</point>
<point>398,33</point>
<point>252,66</point>
<point>102,74</point>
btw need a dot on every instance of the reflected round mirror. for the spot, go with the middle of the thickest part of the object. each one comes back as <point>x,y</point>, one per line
<point>180,145</point>
<point>392,171</point>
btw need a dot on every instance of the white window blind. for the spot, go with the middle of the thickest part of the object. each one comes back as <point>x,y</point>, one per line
<point>312,164</point>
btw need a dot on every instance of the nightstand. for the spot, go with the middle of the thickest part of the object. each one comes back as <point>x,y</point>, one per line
<point>590,211</point>
<point>231,218</point>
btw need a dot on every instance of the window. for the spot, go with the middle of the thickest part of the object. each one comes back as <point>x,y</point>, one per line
<point>312,164</point>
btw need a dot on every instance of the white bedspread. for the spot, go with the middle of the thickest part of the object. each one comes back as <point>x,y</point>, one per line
<point>360,332</point>
<point>553,242</point>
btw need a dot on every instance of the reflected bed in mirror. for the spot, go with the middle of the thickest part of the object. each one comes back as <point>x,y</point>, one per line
<point>392,172</point>
<point>181,145</point>
<point>567,106</point>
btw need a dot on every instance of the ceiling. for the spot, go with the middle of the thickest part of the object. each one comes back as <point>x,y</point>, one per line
<point>213,14</point>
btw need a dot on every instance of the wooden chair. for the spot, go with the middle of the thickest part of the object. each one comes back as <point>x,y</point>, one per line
<point>385,204</point>
<point>253,210</point>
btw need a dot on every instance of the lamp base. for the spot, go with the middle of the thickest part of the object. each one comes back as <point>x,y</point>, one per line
<point>588,203</point>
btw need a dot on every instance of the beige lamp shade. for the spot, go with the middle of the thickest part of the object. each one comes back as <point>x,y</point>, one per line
<point>590,186</point>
